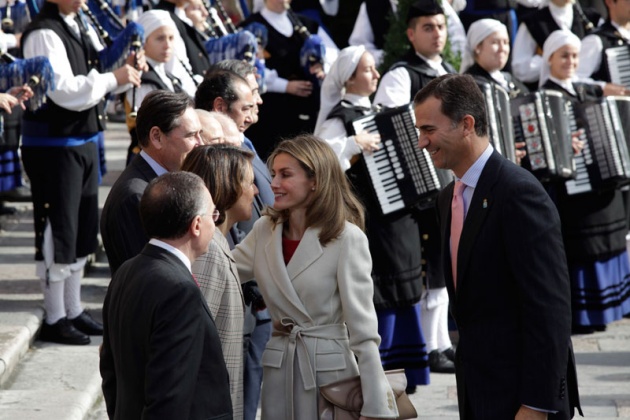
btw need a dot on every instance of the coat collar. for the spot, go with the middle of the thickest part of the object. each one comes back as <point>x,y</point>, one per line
<point>308,251</point>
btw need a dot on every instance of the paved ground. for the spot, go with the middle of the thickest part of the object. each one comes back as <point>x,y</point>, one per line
<point>47,381</point>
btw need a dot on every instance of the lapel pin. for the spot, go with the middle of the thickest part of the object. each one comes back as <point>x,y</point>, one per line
<point>485,203</point>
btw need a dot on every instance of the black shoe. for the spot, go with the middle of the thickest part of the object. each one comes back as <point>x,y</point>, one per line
<point>411,389</point>
<point>6,210</point>
<point>63,332</point>
<point>439,363</point>
<point>582,329</point>
<point>86,324</point>
<point>450,354</point>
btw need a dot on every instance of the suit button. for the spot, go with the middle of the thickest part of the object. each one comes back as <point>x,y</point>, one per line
<point>425,236</point>
<point>200,54</point>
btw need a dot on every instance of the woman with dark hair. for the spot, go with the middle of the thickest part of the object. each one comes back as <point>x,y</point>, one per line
<point>229,176</point>
<point>312,263</point>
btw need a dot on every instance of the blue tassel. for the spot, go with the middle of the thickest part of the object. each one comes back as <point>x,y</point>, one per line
<point>260,31</point>
<point>312,52</point>
<point>260,71</point>
<point>21,71</point>
<point>116,54</point>
<point>34,6</point>
<point>241,45</point>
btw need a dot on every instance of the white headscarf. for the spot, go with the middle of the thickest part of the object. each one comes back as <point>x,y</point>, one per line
<point>555,41</point>
<point>478,31</point>
<point>154,19</point>
<point>333,86</point>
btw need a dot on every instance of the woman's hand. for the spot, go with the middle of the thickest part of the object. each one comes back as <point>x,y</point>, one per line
<point>576,143</point>
<point>318,71</point>
<point>369,142</point>
<point>519,152</point>
<point>611,89</point>
<point>301,88</point>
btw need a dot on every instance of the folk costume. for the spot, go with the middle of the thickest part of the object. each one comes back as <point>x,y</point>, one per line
<point>594,227</point>
<point>61,159</point>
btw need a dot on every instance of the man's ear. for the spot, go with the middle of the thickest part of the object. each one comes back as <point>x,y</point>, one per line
<point>410,33</point>
<point>219,105</point>
<point>195,227</point>
<point>155,137</point>
<point>468,123</point>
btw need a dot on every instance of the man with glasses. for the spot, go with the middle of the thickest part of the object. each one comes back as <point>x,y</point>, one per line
<point>161,356</point>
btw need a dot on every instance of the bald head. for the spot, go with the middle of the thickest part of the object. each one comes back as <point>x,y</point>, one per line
<point>212,129</point>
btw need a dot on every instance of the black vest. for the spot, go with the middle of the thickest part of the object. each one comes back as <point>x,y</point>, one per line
<point>195,48</point>
<point>419,71</point>
<point>610,38</point>
<point>52,120</point>
<point>515,86</point>
<point>379,12</point>
<point>282,53</point>
<point>488,5</point>
<point>151,77</point>
<point>541,24</point>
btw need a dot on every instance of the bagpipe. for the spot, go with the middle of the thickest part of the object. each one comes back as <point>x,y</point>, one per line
<point>15,16</point>
<point>35,72</point>
<point>117,47</point>
<point>225,41</point>
<point>313,49</point>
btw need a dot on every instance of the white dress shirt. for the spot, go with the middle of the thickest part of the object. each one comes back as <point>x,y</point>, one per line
<point>73,92</point>
<point>591,52</point>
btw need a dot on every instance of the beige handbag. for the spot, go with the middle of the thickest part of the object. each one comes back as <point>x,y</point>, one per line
<point>342,400</point>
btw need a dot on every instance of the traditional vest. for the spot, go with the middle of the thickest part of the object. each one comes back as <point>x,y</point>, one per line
<point>419,71</point>
<point>52,120</point>
<point>283,54</point>
<point>378,12</point>
<point>610,37</point>
<point>541,24</point>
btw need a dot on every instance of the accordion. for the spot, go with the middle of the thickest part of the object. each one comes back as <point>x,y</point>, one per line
<point>540,119</point>
<point>402,175</point>
<point>500,128</point>
<point>618,61</point>
<point>604,162</point>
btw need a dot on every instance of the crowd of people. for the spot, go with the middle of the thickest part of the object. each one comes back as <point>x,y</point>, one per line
<point>251,259</point>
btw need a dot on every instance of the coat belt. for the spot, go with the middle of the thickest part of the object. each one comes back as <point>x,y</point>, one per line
<point>295,344</point>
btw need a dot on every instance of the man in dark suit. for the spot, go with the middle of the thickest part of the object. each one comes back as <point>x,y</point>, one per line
<point>509,289</point>
<point>161,356</point>
<point>168,128</point>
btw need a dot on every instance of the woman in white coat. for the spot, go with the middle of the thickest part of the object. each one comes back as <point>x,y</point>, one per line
<point>312,263</point>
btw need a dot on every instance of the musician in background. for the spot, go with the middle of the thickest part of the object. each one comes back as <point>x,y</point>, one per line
<point>426,31</point>
<point>531,35</point>
<point>504,265</point>
<point>159,35</point>
<point>372,24</point>
<point>190,49</point>
<point>292,96</point>
<point>345,97</point>
<point>614,32</point>
<point>60,157</point>
<point>197,13</point>
<point>487,52</point>
<point>594,224</point>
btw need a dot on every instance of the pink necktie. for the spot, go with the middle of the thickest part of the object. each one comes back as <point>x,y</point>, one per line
<point>457,222</point>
